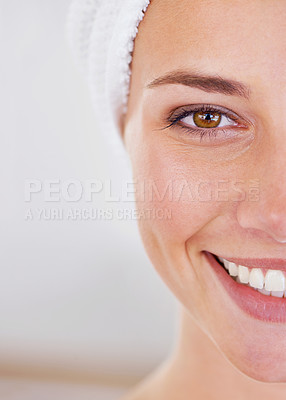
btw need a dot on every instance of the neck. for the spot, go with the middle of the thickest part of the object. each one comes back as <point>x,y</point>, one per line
<point>197,369</point>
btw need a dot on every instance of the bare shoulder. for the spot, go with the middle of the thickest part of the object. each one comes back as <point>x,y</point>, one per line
<point>152,387</point>
<point>139,392</point>
<point>143,390</point>
<point>130,396</point>
<point>136,395</point>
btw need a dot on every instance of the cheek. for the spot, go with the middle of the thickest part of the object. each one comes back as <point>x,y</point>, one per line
<point>182,190</point>
<point>179,189</point>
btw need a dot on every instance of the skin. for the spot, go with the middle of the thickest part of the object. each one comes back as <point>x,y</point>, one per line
<point>221,351</point>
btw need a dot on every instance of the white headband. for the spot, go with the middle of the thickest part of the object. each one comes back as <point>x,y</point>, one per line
<point>101,34</point>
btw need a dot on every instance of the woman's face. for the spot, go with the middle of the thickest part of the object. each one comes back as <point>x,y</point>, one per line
<point>206,134</point>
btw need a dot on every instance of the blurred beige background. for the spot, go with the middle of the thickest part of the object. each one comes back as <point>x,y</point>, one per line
<point>83,314</point>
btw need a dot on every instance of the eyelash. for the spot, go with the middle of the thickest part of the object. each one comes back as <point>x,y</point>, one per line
<point>175,117</point>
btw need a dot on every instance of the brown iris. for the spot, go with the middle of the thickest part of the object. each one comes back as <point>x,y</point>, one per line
<point>207,119</point>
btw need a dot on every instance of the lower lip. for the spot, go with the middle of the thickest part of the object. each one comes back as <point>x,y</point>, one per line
<point>257,305</point>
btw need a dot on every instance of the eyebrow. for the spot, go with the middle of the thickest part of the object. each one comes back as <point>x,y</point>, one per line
<point>207,83</point>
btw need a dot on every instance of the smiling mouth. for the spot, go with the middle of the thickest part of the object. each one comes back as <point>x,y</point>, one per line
<point>257,287</point>
<point>269,282</point>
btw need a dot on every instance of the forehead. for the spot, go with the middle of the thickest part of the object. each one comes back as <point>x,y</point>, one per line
<point>235,38</point>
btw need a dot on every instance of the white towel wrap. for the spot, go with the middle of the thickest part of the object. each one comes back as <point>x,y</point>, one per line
<point>101,34</point>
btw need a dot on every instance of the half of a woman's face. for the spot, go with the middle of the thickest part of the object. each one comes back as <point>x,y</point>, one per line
<point>206,134</point>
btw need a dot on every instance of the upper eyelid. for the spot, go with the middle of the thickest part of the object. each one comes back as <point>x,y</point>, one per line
<point>203,107</point>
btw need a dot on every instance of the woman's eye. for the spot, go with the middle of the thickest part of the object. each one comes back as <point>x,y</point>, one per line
<point>207,119</point>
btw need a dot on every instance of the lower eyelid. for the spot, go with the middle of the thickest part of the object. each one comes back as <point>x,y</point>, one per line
<point>215,135</point>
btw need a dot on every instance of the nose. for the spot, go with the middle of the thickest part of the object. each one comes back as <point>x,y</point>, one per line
<point>267,212</point>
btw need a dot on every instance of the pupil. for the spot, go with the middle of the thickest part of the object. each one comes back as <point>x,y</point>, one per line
<point>204,119</point>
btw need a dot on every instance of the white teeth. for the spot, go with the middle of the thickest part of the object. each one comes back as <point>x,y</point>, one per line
<point>233,269</point>
<point>226,264</point>
<point>275,281</point>
<point>272,284</point>
<point>221,260</point>
<point>256,278</point>
<point>263,291</point>
<point>277,294</point>
<point>243,273</point>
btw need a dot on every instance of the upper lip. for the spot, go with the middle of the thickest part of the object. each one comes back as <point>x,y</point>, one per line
<point>269,263</point>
